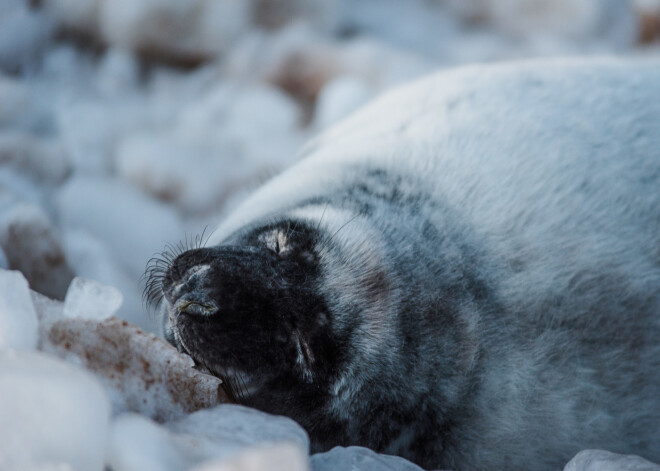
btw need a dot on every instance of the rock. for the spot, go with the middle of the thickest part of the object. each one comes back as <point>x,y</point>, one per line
<point>133,225</point>
<point>227,435</point>
<point>24,33</point>
<point>41,159</point>
<point>190,174</point>
<point>90,258</point>
<point>118,73</point>
<point>242,427</point>
<point>32,246</point>
<point>571,20</point>
<point>601,460</point>
<point>4,263</point>
<point>141,372</point>
<point>15,101</point>
<point>196,30</point>
<point>18,318</point>
<point>139,444</point>
<point>339,98</point>
<point>51,414</point>
<point>90,299</point>
<point>282,457</point>
<point>358,458</point>
<point>48,311</point>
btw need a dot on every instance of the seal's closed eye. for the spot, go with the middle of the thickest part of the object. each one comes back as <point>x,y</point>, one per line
<point>196,308</point>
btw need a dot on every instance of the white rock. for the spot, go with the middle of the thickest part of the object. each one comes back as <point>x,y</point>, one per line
<point>86,134</point>
<point>264,109</point>
<point>382,65</point>
<point>17,188</point>
<point>241,427</point>
<point>4,263</point>
<point>339,98</point>
<point>23,33</point>
<point>225,137</point>
<point>243,111</point>
<point>133,225</point>
<point>601,460</point>
<point>560,19</point>
<point>359,459</point>
<point>222,433</point>
<point>563,18</point>
<point>138,444</point>
<point>52,414</point>
<point>141,372</point>
<point>32,246</point>
<point>42,159</point>
<point>118,73</point>
<point>281,457</point>
<point>18,319</point>
<point>15,101</point>
<point>90,299</point>
<point>322,15</point>
<point>89,257</point>
<point>80,15</point>
<point>192,174</point>
<point>197,29</point>
<point>48,312</point>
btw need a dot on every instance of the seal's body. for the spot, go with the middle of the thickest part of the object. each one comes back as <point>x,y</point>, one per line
<point>465,273</point>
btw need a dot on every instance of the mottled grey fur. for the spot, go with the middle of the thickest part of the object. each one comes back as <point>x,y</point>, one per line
<point>490,244</point>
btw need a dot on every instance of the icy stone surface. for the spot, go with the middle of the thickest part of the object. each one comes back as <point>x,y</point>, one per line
<point>359,459</point>
<point>559,19</point>
<point>137,443</point>
<point>52,414</point>
<point>225,432</point>
<point>48,311</point>
<point>89,257</point>
<point>141,372</point>
<point>15,102</point>
<point>18,319</point>
<point>40,158</point>
<point>241,426</point>
<point>32,246</point>
<point>339,98</point>
<point>91,300</point>
<point>601,460</point>
<point>4,263</point>
<point>153,162</point>
<point>23,33</point>
<point>281,457</point>
<point>199,29</point>
<point>115,212</point>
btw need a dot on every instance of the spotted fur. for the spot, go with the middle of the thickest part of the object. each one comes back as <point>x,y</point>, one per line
<point>465,273</point>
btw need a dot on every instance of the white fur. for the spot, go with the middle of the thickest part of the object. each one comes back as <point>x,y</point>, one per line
<point>555,168</point>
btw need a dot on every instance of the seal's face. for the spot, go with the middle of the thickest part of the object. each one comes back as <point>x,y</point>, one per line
<point>252,313</point>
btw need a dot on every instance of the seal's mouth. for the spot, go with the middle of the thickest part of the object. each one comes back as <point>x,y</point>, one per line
<point>238,384</point>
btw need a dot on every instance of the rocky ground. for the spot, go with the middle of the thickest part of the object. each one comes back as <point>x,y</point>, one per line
<point>129,124</point>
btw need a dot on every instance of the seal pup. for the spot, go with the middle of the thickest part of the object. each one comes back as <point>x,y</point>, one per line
<point>465,273</point>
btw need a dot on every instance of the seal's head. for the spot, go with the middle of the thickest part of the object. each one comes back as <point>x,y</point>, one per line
<point>321,316</point>
<point>275,311</point>
<point>251,312</point>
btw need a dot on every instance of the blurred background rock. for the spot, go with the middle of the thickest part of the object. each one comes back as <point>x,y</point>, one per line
<point>126,124</point>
